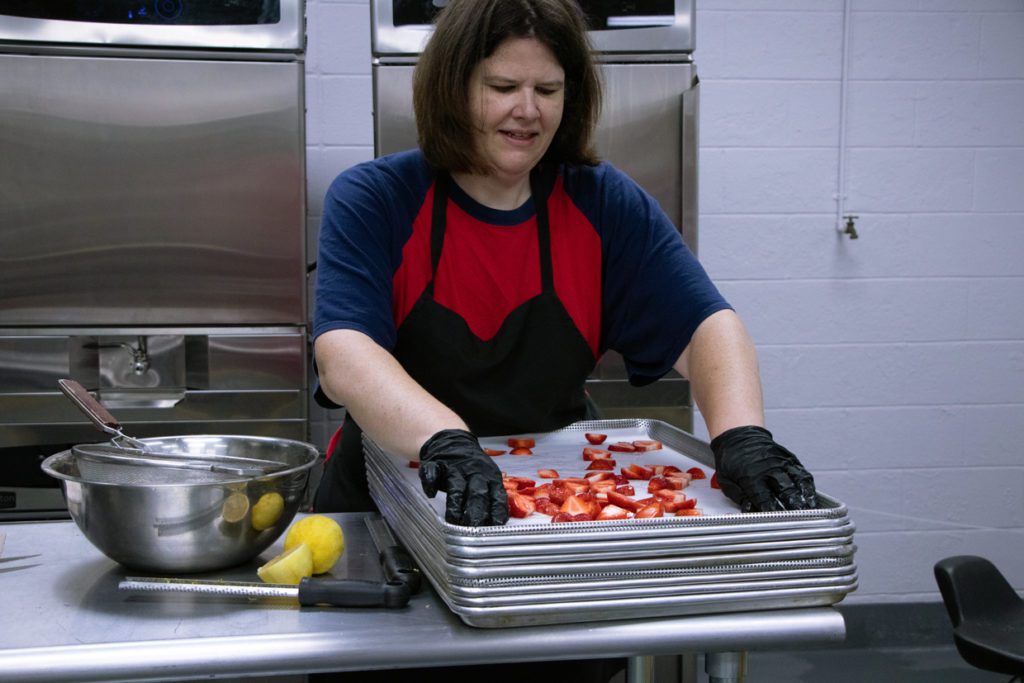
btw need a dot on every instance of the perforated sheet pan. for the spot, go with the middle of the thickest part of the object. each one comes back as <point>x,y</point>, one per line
<point>531,571</point>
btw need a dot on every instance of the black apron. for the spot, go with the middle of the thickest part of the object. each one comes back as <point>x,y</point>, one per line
<point>528,378</point>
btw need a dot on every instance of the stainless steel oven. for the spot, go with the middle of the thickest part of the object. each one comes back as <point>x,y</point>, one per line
<point>152,224</point>
<point>649,128</point>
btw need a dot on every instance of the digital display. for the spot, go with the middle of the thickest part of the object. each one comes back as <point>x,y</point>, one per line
<point>173,12</point>
<point>601,14</point>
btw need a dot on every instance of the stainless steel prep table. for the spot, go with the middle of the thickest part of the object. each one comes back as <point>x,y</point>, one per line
<point>64,619</point>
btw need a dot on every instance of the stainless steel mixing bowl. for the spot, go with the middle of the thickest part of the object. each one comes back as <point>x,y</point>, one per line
<point>159,519</point>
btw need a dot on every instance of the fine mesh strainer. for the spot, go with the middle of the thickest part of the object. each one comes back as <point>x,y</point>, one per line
<point>126,460</point>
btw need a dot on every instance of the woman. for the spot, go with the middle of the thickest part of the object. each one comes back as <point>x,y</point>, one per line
<point>468,288</point>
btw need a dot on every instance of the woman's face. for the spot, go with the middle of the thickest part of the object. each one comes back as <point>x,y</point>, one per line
<point>516,100</point>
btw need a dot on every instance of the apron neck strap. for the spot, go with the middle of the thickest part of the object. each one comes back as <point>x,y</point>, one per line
<point>541,183</point>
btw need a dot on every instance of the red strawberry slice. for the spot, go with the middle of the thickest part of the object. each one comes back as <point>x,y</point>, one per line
<point>612,512</point>
<point>547,507</point>
<point>596,454</point>
<point>653,510</point>
<point>547,474</point>
<point>521,443</point>
<point>493,452</point>
<point>623,501</point>
<point>520,506</point>
<point>647,445</point>
<point>622,447</point>
<point>601,465</point>
<point>521,451</point>
<point>714,481</point>
<point>596,438</point>
<point>696,473</point>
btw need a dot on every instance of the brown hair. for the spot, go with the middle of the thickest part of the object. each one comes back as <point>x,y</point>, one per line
<point>469,31</point>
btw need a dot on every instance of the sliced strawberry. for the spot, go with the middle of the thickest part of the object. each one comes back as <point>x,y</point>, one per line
<point>574,485</point>
<point>543,491</point>
<point>673,501</point>
<point>678,482</point>
<point>520,482</point>
<point>634,471</point>
<point>520,505</point>
<point>600,475</point>
<point>689,512</point>
<point>714,481</point>
<point>625,489</point>
<point>696,473</point>
<point>547,507</point>
<point>601,465</point>
<point>653,510</point>
<point>561,517</point>
<point>612,512</point>
<point>414,464</point>
<point>647,445</point>
<point>579,505</point>
<point>621,480</point>
<point>521,443</point>
<point>547,474</point>
<point>602,486</point>
<point>657,483</point>
<point>596,454</point>
<point>493,453</point>
<point>558,494</point>
<point>521,451</point>
<point>666,470</point>
<point>596,438</point>
<point>622,447</point>
<point>625,502</point>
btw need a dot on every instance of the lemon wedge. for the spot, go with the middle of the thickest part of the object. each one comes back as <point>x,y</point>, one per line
<point>267,510</point>
<point>289,567</point>
<point>323,536</point>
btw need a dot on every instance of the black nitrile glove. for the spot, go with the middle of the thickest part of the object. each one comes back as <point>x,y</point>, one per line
<point>759,474</point>
<point>452,461</point>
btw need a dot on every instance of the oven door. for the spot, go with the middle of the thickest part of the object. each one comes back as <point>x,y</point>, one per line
<point>401,27</point>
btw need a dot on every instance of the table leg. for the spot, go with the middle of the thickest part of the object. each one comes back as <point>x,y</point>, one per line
<point>639,669</point>
<point>726,667</point>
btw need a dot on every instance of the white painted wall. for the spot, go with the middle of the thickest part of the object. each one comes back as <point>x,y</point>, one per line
<point>894,364</point>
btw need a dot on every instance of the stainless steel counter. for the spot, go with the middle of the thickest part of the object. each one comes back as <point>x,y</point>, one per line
<point>64,619</point>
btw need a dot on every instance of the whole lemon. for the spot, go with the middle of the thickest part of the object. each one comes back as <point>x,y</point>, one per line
<point>289,567</point>
<point>267,511</point>
<point>323,536</point>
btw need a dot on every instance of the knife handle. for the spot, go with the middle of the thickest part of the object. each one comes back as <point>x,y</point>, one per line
<point>399,566</point>
<point>352,593</point>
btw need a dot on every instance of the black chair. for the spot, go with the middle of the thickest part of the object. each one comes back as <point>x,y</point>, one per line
<point>987,614</point>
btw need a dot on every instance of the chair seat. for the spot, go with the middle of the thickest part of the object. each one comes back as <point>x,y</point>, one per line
<point>987,614</point>
<point>993,645</point>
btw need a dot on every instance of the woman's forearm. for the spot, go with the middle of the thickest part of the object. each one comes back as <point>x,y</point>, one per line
<point>721,364</point>
<point>390,407</point>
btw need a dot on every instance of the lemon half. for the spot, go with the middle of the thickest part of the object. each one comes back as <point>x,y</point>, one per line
<point>323,536</point>
<point>267,511</point>
<point>289,567</point>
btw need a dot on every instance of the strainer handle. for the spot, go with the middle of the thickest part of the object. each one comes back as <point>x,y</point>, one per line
<point>92,408</point>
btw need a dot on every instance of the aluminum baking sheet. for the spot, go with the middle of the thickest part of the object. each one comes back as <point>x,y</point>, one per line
<point>813,570</point>
<point>562,450</point>
<point>648,590</point>
<point>552,612</point>
<point>638,543</point>
<point>424,547</point>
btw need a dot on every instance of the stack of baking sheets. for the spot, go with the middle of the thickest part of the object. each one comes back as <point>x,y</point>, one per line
<point>532,571</point>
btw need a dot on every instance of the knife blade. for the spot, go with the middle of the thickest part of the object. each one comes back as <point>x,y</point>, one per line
<point>396,562</point>
<point>309,592</point>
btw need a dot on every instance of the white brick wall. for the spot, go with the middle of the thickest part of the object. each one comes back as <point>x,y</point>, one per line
<point>893,364</point>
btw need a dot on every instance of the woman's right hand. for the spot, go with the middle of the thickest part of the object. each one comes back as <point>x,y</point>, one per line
<point>452,461</point>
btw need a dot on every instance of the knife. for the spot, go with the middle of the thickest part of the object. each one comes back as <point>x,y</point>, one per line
<point>396,562</point>
<point>309,592</point>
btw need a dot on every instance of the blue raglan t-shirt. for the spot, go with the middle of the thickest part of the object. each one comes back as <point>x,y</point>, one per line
<point>620,268</point>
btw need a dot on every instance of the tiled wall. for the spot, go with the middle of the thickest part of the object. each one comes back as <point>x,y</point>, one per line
<point>893,364</point>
